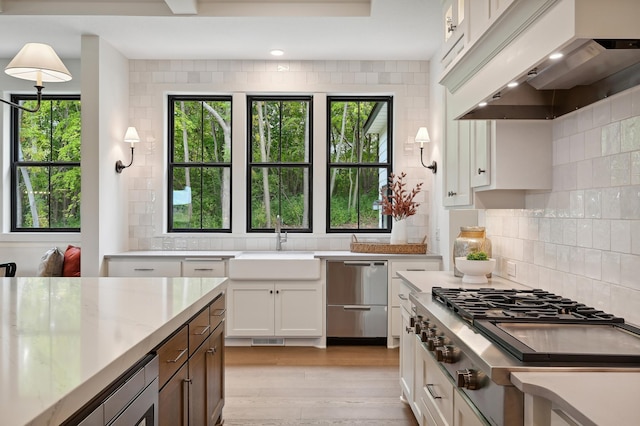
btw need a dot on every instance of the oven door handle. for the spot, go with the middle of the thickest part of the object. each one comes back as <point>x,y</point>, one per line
<point>432,392</point>
<point>356,308</point>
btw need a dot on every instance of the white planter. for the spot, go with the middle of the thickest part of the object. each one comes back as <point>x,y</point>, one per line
<point>399,232</point>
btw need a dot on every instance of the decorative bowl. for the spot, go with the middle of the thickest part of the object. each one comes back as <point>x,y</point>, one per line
<point>475,271</point>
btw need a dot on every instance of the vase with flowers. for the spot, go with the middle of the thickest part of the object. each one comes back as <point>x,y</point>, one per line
<point>398,202</point>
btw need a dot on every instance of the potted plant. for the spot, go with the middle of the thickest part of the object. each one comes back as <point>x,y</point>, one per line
<point>475,267</point>
<point>399,203</point>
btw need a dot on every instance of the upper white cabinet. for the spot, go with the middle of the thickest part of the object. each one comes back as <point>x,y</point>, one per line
<point>457,187</point>
<point>465,21</point>
<point>509,157</point>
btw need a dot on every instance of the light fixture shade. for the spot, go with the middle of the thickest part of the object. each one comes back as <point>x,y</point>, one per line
<point>423,135</point>
<point>38,62</point>
<point>131,135</point>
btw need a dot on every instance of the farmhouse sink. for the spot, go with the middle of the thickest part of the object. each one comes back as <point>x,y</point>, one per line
<point>274,265</point>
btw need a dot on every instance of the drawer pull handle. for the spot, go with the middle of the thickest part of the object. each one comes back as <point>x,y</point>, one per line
<point>212,350</point>
<point>431,391</point>
<point>204,331</point>
<point>402,297</point>
<point>416,269</point>
<point>218,312</point>
<point>182,352</point>
<point>144,269</point>
<point>356,308</point>
<point>203,269</point>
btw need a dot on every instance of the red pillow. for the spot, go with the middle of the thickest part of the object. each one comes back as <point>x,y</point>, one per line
<point>71,265</point>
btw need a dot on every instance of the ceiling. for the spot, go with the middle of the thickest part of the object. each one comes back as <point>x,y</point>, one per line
<point>229,29</point>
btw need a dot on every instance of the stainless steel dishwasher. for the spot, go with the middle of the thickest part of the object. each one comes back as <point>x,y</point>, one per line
<point>357,301</point>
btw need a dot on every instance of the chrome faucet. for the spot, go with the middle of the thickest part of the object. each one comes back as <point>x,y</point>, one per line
<point>279,239</point>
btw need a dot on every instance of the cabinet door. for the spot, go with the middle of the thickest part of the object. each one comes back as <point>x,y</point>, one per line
<point>480,153</point>
<point>457,188</point>
<point>437,392</point>
<point>298,309</point>
<point>173,400</point>
<point>215,376</point>
<point>250,309</point>
<point>407,357</point>
<point>198,385</point>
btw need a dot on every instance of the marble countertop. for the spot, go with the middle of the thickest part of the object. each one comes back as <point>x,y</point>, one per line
<point>598,398</point>
<point>62,340</point>
<point>226,254</point>
<point>423,281</point>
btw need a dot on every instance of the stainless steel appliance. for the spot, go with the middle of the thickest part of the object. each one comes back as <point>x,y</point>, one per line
<point>357,301</point>
<point>480,335</point>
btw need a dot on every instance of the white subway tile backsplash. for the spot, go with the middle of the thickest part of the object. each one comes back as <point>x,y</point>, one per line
<point>611,139</point>
<point>629,267</point>
<point>621,106</point>
<point>621,236</point>
<point>602,113</point>
<point>635,236</point>
<point>630,202</point>
<point>601,172</point>
<point>593,203</point>
<point>593,263</point>
<point>611,267</point>
<point>602,234</point>
<point>584,232</point>
<point>611,203</point>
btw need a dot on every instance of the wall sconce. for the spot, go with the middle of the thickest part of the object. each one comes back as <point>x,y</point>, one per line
<point>36,62</point>
<point>130,136</point>
<point>423,137</point>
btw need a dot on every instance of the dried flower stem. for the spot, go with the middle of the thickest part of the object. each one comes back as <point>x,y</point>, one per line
<point>398,202</point>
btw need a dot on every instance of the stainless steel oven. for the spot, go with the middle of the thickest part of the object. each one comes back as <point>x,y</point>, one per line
<point>480,335</point>
<point>357,301</point>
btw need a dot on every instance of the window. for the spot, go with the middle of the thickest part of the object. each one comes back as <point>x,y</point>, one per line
<point>359,162</point>
<point>199,164</point>
<point>45,164</point>
<point>279,169</point>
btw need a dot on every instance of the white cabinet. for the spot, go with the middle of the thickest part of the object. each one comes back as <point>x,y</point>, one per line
<point>399,292</point>
<point>204,268</point>
<point>407,358</point>
<point>135,267</point>
<point>262,308</point>
<point>454,27</point>
<point>515,156</point>
<point>457,185</point>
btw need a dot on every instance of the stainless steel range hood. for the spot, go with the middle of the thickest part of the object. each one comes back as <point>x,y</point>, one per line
<point>590,70</point>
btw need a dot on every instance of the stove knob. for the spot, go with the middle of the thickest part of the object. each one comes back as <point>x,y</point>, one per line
<point>431,332</point>
<point>445,354</point>
<point>412,322</point>
<point>467,379</point>
<point>434,342</point>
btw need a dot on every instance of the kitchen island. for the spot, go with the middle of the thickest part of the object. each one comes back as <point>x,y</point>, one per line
<point>63,340</point>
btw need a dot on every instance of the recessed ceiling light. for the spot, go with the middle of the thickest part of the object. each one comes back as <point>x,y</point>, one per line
<point>277,52</point>
<point>556,55</point>
<point>512,84</point>
<point>482,104</point>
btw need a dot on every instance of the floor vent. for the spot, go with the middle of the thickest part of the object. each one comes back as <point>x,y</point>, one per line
<point>268,342</point>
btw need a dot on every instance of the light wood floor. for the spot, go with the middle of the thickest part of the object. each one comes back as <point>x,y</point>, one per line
<point>339,385</point>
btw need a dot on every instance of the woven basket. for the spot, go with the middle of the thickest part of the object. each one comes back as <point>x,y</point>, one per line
<point>378,247</point>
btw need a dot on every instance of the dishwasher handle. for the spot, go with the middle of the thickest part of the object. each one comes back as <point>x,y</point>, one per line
<point>356,308</point>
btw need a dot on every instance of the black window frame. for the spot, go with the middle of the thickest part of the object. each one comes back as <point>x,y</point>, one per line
<point>171,99</point>
<point>388,165</point>
<point>16,163</point>
<point>250,163</point>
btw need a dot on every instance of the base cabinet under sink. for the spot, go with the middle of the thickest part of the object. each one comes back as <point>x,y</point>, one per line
<point>268,309</point>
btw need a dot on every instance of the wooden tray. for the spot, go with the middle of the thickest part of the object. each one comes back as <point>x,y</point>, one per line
<point>378,247</point>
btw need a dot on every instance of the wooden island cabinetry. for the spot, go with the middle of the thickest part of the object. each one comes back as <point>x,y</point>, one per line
<point>192,370</point>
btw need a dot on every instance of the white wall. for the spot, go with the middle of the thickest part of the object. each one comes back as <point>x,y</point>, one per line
<point>582,239</point>
<point>105,112</point>
<point>151,81</point>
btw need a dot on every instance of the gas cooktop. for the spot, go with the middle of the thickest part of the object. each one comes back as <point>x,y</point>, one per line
<point>538,326</point>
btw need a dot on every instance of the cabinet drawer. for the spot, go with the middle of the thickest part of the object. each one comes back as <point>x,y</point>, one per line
<point>437,392</point>
<point>144,268</point>
<point>204,268</point>
<point>217,310</point>
<point>418,265</point>
<point>199,330</point>
<point>172,354</point>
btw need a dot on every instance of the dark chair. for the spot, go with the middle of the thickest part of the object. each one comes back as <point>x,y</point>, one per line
<point>9,269</point>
